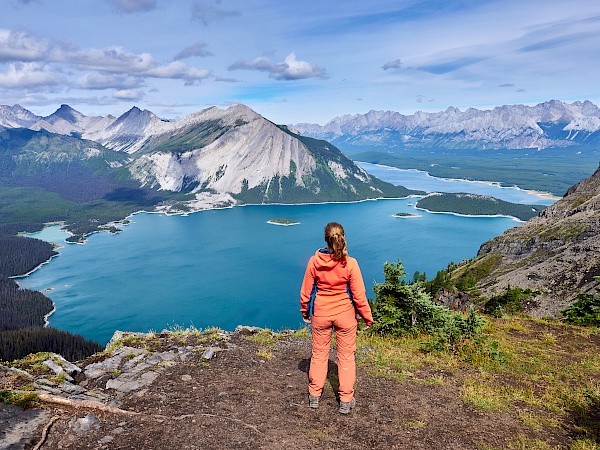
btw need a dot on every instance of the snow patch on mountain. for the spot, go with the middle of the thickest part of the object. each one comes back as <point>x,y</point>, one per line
<point>511,126</point>
<point>16,117</point>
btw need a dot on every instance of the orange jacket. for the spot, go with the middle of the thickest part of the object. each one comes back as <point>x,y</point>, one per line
<point>335,280</point>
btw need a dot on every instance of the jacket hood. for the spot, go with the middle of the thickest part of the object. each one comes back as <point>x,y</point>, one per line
<point>324,260</point>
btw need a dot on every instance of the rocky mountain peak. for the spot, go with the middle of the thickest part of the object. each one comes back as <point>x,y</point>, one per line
<point>16,117</point>
<point>65,112</point>
<point>549,124</point>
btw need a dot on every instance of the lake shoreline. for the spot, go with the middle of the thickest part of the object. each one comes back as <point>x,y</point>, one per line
<point>540,194</point>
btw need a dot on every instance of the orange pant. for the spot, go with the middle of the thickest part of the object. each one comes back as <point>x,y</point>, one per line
<point>345,334</point>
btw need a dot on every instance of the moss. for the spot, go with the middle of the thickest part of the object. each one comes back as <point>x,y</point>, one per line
<point>23,399</point>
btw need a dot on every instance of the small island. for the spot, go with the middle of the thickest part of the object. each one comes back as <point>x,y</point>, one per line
<point>282,221</point>
<point>405,215</point>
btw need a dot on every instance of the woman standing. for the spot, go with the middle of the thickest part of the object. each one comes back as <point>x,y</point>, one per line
<point>332,295</point>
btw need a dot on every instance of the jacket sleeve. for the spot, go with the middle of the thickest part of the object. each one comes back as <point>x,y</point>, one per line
<point>307,286</point>
<point>359,294</point>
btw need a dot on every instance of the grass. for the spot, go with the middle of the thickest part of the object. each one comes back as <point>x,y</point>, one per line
<point>32,363</point>
<point>23,399</point>
<point>546,374</point>
<point>264,337</point>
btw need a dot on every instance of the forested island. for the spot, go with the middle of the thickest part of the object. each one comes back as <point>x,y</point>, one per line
<point>477,205</point>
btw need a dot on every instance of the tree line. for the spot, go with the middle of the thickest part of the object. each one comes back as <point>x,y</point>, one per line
<point>15,344</point>
<point>20,255</point>
<point>22,311</point>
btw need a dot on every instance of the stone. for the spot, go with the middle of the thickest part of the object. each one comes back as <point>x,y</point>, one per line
<point>68,367</point>
<point>58,370</point>
<point>83,425</point>
<point>18,427</point>
<point>106,439</point>
<point>209,353</point>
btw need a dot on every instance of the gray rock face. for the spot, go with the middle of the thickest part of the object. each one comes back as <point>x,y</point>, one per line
<point>556,253</point>
<point>18,427</point>
<point>510,126</point>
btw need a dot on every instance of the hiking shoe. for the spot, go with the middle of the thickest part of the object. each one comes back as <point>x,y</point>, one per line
<point>345,407</point>
<point>313,402</point>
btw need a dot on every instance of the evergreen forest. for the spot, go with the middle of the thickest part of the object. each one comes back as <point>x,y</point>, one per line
<point>22,311</point>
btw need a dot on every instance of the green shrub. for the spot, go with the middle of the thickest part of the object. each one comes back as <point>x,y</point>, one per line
<point>585,310</point>
<point>401,308</point>
<point>510,302</point>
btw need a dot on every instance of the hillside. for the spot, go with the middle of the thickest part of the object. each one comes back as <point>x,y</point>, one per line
<point>556,253</point>
<point>89,171</point>
<point>247,389</point>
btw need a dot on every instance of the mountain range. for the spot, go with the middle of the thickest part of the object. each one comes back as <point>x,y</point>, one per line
<point>233,155</point>
<point>549,124</point>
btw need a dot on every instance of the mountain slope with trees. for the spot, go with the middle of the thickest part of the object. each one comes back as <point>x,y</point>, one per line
<point>88,171</point>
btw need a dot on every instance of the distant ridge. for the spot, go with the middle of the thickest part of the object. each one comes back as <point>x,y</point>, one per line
<point>549,124</point>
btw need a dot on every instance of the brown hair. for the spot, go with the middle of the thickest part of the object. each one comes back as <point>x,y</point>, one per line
<point>336,240</point>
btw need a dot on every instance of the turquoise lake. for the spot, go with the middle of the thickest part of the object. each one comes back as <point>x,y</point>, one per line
<point>229,267</point>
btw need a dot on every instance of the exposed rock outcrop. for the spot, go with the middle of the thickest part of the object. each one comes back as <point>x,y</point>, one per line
<point>556,253</point>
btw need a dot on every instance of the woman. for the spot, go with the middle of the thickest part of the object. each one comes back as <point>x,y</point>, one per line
<point>334,282</point>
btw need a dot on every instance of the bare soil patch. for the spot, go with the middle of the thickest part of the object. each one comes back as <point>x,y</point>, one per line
<point>241,399</point>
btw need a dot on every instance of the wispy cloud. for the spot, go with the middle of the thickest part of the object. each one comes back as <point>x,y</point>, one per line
<point>289,69</point>
<point>559,41</point>
<point>451,65</point>
<point>210,11</point>
<point>196,49</point>
<point>395,64</point>
<point>133,6</point>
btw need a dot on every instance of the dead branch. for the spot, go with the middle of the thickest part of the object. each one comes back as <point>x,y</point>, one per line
<point>45,433</point>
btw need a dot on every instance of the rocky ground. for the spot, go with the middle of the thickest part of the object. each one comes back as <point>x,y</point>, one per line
<point>236,390</point>
<point>556,254</point>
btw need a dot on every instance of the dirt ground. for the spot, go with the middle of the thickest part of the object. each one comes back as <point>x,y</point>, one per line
<point>240,400</point>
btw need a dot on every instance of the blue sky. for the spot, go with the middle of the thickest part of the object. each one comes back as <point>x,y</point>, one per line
<point>294,62</point>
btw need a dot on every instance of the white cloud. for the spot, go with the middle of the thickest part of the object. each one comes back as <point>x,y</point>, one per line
<point>21,46</point>
<point>179,70</point>
<point>28,75</point>
<point>109,59</point>
<point>120,61</point>
<point>108,81</point>
<point>128,95</point>
<point>290,69</point>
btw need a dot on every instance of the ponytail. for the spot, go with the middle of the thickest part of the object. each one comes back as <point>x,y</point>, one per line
<point>336,241</point>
